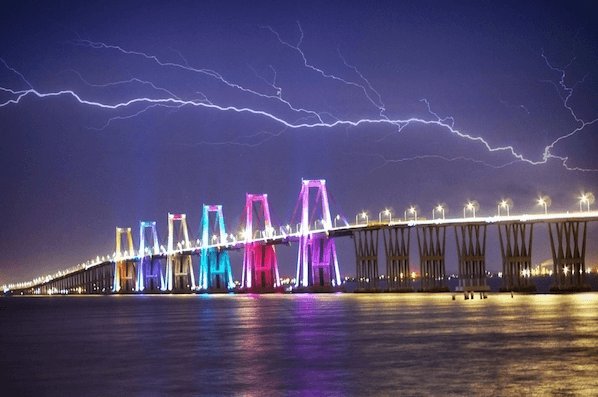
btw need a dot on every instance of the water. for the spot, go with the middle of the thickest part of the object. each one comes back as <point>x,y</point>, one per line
<point>342,344</point>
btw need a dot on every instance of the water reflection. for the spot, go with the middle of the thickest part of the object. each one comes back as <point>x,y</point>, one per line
<point>351,344</point>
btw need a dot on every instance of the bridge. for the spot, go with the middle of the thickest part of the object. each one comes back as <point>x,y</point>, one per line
<point>154,268</point>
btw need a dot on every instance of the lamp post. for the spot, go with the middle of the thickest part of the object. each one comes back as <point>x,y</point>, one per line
<point>363,215</point>
<point>440,209</point>
<point>587,199</point>
<point>470,206</point>
<point>387,213</point>
<point>336,218</point>
<point>412,211</point>
<point>543,201</point>
<point>503,204</point>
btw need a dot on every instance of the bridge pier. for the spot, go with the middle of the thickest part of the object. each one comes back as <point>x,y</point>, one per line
<point>568,247</point>
<point>516,252</point>
<point>153,274</point>
<point>150,276</point>
<point>317,263</point>
<point>260,266</point>
<point>396,247</point>
<point>471,250</point>
<point>366,255</point>
<point>179,275</point>
<point>126,273</point>
<point>105,277</point>
<point>215,274</point>
<point>431,242</point>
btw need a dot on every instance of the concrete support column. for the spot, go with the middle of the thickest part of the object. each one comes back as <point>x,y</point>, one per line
<point>431,242</point>
<point>366,256</point>
<point>568,246</point>
<point>471,250</point>
<point>396,247</point>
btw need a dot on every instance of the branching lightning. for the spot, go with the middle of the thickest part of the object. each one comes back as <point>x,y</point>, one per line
<point>386,161</point>
<point>308,65</point>
<point>581,124</point>
<point>304,118</point>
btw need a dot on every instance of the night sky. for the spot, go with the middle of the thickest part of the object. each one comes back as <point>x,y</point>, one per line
<point>512,74</point>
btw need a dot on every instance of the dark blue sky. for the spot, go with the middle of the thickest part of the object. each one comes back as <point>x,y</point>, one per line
<point>71,172</point>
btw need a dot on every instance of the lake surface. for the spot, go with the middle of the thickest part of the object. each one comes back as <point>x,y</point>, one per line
<point>306,344</point>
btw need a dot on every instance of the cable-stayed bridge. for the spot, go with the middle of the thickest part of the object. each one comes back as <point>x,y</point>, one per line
<point>155,268</point>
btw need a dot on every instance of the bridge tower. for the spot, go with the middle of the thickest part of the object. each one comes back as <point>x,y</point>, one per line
<point>471,251</point>
<point>431,243</point>
<point>150,275</point>
<point>568,246</point>
<point>214,266</point>
<point>317,263</point>
<point>366,254</point>
<point>179,265</point>
<point>396,245</point>
<point>125,277</point>
<point>260,267</point>
<point>516,252</point>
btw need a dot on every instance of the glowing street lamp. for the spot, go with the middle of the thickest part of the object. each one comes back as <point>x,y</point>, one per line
<point>587,199</point>
<point>504,204</point>
<point>387,213</point>
<point>440,209</point>
<point>544,201</point>
<point>470,206</point>
<point>363,216</point>
<point>412,211</point>
<point>336,218</point>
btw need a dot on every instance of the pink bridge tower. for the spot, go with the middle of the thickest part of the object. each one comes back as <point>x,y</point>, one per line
<point>260,268</point>
<point>317,263</point>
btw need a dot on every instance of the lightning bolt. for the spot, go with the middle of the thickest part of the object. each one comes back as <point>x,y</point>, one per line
<point>566,92</point>
<point>297,48</point>
<point>308,118</point>
<point>386,161</point>
<point>207,72</point>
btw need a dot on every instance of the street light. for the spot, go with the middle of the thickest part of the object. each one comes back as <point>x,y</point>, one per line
<point>387,213</point>
<point>504,204</point>
<point>363,215</point>
<point>470,206</point>
<point>586,198</point>
<point>411,210</point>
<point>544,201</point>
<point>336,218</point>
<point>440,209</point>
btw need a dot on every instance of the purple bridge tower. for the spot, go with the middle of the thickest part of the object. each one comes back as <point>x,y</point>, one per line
<point>317,263</point>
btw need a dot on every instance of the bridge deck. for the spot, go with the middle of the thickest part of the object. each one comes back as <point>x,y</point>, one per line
<point>345,230</point>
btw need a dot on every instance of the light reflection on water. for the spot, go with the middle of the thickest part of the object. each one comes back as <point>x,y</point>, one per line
<point>350,344</point>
